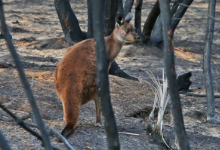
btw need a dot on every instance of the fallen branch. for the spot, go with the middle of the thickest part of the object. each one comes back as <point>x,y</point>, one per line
<point>200,95</point>
<point>128,133</point>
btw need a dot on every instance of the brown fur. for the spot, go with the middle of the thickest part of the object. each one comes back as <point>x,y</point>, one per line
<point>75,75</point>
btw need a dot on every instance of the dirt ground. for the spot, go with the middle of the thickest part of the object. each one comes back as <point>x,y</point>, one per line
<point>37,35</point>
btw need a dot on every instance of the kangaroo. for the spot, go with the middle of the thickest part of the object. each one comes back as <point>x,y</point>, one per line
<point>75,75</point>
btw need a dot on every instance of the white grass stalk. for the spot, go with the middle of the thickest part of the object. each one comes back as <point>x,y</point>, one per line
<point>160,100</point>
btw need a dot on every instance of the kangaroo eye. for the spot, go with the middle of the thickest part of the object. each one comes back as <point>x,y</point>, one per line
<point>127,31</point>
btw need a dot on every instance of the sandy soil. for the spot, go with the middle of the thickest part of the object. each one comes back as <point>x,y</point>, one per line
<point>37,36</point>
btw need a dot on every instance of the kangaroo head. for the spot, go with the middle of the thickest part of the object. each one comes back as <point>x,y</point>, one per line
<point>126,32</point>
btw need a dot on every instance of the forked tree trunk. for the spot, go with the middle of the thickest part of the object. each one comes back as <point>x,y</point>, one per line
<point>211,115</point>
<point>149,23</point>
<point>102,76</point>
<point>137,21</point>
<point>69,22</point>
<point>179,128</point>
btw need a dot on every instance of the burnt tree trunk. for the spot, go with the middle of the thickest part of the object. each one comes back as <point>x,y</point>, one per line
<point>137,21</point>
<point>111,7</point>
<point>89,29</point>
<point>179,128</point>
<point>211,115</point>
<point>128,6</point>
<point>120,12</point>
<point>175,6</point>
<point>179,13</point>
<point>149,23</point>
<point>102,76</point>
<point>69,22</point>
<point>110,19</point>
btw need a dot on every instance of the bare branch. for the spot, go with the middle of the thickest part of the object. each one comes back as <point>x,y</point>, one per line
<point>24,79</point>
<point>61,138</point>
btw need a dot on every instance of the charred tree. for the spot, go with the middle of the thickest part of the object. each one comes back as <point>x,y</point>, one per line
<point>211,115</point>
<point>120,12</point>
<point>137,22</point>
<point>111,7</point>
<point>179,13</point>
<point>179,128</point>
<point>102,76</point>
<point>69,22</point>
<point>175,6</point>
<point>89,30</point>
<point>149,23</point>
<point>128,6</point>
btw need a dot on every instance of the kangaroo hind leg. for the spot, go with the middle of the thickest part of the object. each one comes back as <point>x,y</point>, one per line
<point>71,109</point>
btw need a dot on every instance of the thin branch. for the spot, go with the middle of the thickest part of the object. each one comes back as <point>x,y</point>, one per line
<point>55,133</point>
<point>24,80</point>
<point>61,138</point>
<point>128,133</point>
<point>205,14</point>
<point>21,123</point>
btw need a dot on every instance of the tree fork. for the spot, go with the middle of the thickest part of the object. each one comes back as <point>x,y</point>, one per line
<point>69,22</point>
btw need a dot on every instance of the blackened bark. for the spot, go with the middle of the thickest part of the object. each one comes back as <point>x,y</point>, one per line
<point>69,22</point>
<point>137,22</point>
<point>115,70</point>
<point>179,128</point>
<point>175,6</point>
<point>211,115</point>
<point>149,23</point>
<point>128,6</point>
<point>183,82</point>
<point>89,32</point>
<point>111,7</point>
<point>120,12</point>
<point>102,76</point>
<point>179,14</point>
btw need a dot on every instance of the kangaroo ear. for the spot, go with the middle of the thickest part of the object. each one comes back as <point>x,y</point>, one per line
<point>117,25</point>
<point>128,17</point>
<point>119,20</point>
